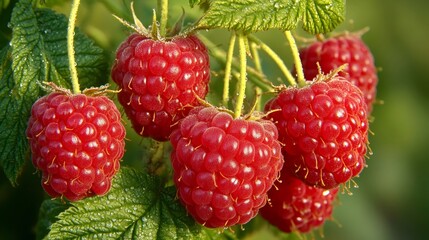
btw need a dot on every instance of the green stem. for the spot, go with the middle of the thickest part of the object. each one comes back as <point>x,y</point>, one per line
<point>257,78</point>
<point>70,49</point>
<point>163,8</point>
<point>296,59</point>
<point>243,77</point>
<point>277,60</point>
<point>256,58</point>
<point>258,67</point>
<point>228,66</point>
<point>258,102</point>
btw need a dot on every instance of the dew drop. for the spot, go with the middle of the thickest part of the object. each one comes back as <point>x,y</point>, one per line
<point>110,197</point>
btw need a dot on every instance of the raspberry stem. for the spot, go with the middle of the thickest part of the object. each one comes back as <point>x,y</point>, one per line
<point>273,55</point>
<point>255,56</point>
<point>257,78</point>
<point>228,66</point>
<point>154,31</point>
<point>163,9</point>
<point>296,59</point>
<point>243,77</point>
<point>70,49</point>
<point>258,67</point>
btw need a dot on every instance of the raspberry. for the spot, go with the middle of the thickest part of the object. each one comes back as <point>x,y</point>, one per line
<point>324,129</point>
<point>159,80</point>
<point>76,142</point>
<point>223,167</point>
<point>334,52</point>
<point>295,206</point>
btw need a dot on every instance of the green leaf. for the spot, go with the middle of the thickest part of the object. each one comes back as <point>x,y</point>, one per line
<point>137,207</point>
<point>317,16</point>
<point>16,97</point>
<point>46,32</point>
<point>322,16</point>
<point>37,53</point>
<point>91,61</point>
<point>48,215</point>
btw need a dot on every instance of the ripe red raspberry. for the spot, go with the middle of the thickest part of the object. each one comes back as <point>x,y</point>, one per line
<point>295,206</point>
<point>324,129</point>
<point>223,167</point>
<point>334,52</point>
<point>76,142</point>
<point>159,80</point>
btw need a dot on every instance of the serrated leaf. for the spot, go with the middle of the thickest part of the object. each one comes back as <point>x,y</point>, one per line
<point>317,16</point>
<point>46,33</point>
<point>37,52</point>
<point>137,207</point>
<point>16,98</point>
<point>90,59</point>
<point>322,16</point>
<point>48,215</point>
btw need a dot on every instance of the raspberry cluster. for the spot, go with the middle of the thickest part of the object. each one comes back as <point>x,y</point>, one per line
<point>223,167</point>
<point>76,142</point>
<point>313,138</point>
<point>324,130</point>
<point>160,80</point>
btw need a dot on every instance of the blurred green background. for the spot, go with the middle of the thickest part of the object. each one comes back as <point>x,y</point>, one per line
<point>391,202</point>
